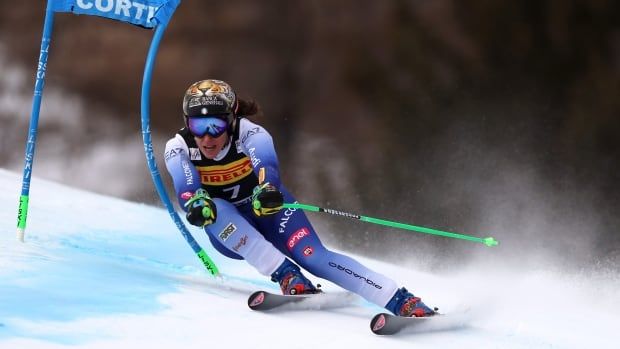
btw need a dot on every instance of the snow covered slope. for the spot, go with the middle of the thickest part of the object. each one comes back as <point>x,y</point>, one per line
<point>99,272</point>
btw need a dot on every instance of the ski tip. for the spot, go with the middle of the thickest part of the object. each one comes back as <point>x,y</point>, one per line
<point>256,299</point>
<point>378,323</point>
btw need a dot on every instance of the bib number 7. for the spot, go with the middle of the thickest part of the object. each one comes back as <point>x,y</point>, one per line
<point>235,191</point>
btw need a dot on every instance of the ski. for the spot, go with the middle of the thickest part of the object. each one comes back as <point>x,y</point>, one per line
<point>265,300</point>
<point>386,324</point>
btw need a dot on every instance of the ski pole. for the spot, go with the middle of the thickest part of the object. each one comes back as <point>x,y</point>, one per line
<point>489,241</point>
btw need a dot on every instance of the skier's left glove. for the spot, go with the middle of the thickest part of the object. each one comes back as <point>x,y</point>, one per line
<point>266,200</point>
<point>201,209</point>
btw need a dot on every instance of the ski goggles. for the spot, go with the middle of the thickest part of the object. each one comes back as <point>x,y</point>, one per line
<point>202,126</point>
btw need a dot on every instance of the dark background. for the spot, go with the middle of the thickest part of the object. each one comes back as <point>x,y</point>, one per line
<point>482,117</point>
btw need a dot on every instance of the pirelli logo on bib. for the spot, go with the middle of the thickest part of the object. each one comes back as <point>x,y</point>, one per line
<point>225,174</point>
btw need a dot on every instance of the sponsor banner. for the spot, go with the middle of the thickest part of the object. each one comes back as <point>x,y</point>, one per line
<point>143,13</point>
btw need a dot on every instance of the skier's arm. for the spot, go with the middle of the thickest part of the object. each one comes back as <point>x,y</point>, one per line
<point>257,144</point>
<point>185,177</point>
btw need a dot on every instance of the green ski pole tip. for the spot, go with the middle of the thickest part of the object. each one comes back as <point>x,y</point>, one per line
<point>490,241</point>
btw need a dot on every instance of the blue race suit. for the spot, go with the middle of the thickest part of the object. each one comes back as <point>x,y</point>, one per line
<point>237,233</point>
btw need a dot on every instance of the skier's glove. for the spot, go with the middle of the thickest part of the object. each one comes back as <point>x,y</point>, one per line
<point>266,200</point>
<point>201,209</point>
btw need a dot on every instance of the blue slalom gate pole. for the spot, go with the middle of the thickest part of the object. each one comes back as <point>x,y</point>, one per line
<point>143,13</point>
<point>150,158</point>
<point>22,212</point>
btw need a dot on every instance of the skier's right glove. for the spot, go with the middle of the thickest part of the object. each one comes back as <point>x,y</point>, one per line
<point>201,209</point>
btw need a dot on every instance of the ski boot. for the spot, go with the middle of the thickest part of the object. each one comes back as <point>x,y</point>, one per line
<point>291,280</point>
<point>404,303</point>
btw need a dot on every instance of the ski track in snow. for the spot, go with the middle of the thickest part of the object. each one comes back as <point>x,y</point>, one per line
<point>100,272</point>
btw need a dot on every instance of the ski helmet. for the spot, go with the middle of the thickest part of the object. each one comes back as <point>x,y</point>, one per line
<point>210,98</point>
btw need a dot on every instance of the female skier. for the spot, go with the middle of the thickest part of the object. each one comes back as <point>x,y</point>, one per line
<point>225,173</point>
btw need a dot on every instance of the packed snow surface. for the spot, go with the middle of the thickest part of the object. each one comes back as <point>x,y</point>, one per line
<point>100,272</point>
